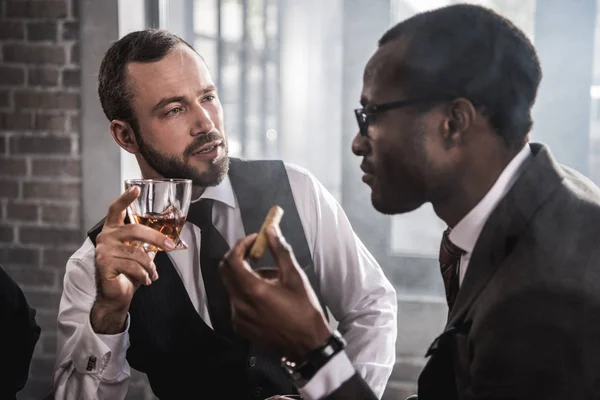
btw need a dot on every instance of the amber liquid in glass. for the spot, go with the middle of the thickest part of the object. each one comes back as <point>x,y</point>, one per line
<point>169,224</point>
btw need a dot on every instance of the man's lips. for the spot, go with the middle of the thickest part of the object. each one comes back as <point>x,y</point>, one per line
<point>207,146</point>
<point>368,176</point>
<point>366,169</point>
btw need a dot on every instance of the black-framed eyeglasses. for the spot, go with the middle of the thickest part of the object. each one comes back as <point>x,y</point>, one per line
<point>363,114</point>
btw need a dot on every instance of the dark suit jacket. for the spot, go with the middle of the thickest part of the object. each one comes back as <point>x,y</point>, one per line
<point>18,335</point>
<point>526,322</point>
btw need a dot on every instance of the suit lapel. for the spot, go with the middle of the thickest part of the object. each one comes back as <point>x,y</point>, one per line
<point>540,178</point>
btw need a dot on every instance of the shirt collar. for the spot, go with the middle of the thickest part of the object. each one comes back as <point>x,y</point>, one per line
<point>223,192</point>
<point>466,232</point>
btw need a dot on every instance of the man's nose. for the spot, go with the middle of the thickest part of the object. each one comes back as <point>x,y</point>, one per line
<point>359,145</point>
<point>204,123</point>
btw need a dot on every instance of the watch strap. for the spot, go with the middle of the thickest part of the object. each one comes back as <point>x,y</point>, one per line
<point>302,372</point>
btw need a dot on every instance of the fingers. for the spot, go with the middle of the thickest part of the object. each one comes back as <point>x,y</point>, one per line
<point>246,322</point>
<point>235,271</point>
<point>116,211</point>
<point>283,254</point>
<point>151,254</point>
<point>243,326</point>
<point>130,253</point>
<point>110,268</point>
<point>242,247</point>
<point>242,314</point>
<point>134,271</point>
<point>135,232</point>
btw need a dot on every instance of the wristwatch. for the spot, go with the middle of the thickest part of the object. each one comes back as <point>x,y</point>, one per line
<point>300,373</point>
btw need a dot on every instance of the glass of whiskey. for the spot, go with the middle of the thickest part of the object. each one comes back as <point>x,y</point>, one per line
<point>162,205</point>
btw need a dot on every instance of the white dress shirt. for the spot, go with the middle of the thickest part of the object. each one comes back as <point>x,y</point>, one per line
<point>352,285</point>
<point>466,232</point>
<point>464,235</point>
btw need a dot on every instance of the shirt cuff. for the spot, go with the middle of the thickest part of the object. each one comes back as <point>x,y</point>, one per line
<point>102,355</point>
<point>330,377</point>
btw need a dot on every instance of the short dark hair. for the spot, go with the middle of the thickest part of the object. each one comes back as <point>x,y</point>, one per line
<point>472,52</point>
<point>144,46</point>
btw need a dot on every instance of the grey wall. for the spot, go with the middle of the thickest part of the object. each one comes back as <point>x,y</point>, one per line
<point>100,156</point>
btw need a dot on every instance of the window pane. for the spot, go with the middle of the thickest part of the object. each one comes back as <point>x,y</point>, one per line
<point>272,23</point>
<point>230,75</point>
<point>255,129</point>
<point>232,120</point>
<point>272,136</point>
<point>272,84</point>
<point>253,147</point>
<point>205,17</point>
<point>232,17</point>
<point>207,48</point>
<point>230,98</point>
<point>236,49</point>
<point>256,27</point>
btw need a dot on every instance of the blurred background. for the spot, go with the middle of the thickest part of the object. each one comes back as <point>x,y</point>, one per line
<point>289,74</point>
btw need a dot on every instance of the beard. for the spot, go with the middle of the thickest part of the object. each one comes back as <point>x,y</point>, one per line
<point>173,167</point>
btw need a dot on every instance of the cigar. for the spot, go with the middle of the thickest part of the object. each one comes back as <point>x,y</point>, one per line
<point>260,245</point>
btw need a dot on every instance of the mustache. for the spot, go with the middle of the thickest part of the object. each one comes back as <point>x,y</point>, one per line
<point>201,141</point>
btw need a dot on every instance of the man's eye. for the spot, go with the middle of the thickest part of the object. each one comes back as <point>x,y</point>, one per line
<point>210,97</point>
<point>174,111</point>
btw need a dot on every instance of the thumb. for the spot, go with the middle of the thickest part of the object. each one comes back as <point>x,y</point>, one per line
<point>283,254</point>
<point>235,272</point>
<point>118,209</point>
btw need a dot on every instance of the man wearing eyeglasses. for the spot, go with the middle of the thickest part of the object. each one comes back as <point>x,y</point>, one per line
<point>446,115</point>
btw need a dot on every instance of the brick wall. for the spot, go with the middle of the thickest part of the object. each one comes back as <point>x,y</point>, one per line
<point>40,173</point>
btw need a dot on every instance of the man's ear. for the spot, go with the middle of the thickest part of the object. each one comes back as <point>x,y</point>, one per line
<point>124,136</point>
<point>459,119</point>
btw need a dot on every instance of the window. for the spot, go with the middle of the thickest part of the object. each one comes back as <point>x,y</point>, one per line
<point>239,40</point>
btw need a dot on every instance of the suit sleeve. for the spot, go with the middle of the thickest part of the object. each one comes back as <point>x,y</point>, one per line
<point>540,343</point>
<point>19,338</point>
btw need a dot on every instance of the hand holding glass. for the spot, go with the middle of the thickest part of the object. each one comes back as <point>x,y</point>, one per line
<point>162,205</point>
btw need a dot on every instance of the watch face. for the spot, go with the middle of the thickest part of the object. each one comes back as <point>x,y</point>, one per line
<point>289,367</point>
<point>328,351</point>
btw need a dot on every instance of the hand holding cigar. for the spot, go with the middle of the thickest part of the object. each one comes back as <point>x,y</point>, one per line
<point>260,245</point>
